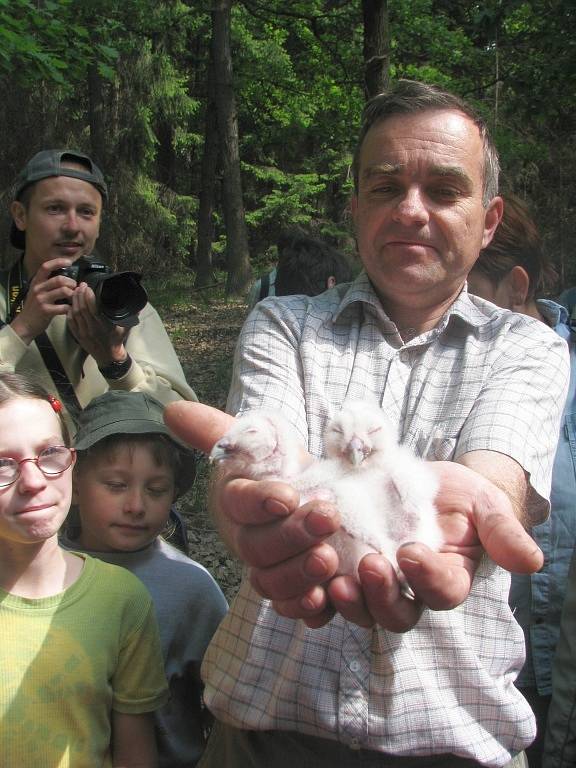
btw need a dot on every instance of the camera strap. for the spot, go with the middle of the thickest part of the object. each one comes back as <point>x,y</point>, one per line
<point>16,288</point>
<point>58,374</point>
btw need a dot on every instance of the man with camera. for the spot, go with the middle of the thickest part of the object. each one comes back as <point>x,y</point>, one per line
<point>54,328</point>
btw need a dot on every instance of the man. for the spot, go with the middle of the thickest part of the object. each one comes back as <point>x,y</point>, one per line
<point>51,328</point>
<point>514,272</point>
<point>478,392</point>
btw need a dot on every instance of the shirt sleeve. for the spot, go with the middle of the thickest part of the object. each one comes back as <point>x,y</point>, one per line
<point>12,349</point>
<point>267,366</point>
<point>139,682</point>
<point>519,408</point>
<point>155,366</point>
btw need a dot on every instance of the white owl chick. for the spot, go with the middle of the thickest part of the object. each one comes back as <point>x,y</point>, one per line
<point>384,493</point>
<point>260,445</point>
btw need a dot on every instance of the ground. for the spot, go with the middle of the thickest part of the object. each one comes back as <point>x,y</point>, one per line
<point>203,330</point>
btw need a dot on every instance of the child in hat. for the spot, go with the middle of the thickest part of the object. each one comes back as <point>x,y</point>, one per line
<point>129,471</point>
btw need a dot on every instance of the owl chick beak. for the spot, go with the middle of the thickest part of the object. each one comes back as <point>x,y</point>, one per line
<point>221,451</point>
<point>356,451</point>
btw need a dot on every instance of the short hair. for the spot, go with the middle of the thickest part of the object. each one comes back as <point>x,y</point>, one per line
<point>408,97</point>
<point>305,263</point>
<point>15,386</point>
<point>163,450</point>
<point>517,242</point>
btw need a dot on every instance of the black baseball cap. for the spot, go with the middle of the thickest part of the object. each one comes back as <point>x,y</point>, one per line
<point>53,162</point>
<point>118,412</point>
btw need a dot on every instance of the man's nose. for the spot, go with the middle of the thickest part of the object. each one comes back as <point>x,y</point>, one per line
<point>71,221</point>
<point>412,208</point>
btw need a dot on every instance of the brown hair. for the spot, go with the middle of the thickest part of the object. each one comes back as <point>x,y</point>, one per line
<point>517,242</point>
<point>164,452</point>
<point>407,97</point>
<point>14,385</point>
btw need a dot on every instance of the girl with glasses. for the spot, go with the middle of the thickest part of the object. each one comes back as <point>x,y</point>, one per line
<point>82,666</point>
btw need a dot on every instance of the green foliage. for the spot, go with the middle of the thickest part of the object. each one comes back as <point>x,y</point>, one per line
<point>298,78</point>
<point>44,40</point>
<point>293,198</point>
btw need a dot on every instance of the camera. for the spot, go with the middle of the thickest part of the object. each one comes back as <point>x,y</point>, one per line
<point>119,295</point>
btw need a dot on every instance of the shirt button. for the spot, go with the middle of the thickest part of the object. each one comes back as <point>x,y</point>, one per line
<point>355,744</point>
<point>355,666</point>
<point>404,356</point>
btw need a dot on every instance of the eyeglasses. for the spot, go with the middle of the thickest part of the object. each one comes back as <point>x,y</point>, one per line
<point>51,461</point>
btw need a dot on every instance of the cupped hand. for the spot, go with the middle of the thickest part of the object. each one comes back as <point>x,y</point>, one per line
<point>263,524</point>
<point>295,568</point>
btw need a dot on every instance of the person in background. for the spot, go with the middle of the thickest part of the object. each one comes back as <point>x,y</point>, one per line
<point>315,668</point>
<point>264,286</point>
<point>560,741</point>
<point>49,326</point>
<point>306,265</point>
<point>82,667</point>
<point>514,273</point>
<point>129,471</point>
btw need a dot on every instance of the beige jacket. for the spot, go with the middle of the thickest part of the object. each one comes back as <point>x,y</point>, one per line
<point>155,368</point>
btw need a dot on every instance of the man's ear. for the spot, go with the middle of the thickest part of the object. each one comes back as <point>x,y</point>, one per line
<point>492,219</point>
<point>518,286</point>
<point>331,282</point>
<point>18,211</point>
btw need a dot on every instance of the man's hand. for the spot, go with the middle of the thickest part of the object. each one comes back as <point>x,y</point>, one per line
<point>294,567</point>
<point>100,338</point>
<point>41,302</point>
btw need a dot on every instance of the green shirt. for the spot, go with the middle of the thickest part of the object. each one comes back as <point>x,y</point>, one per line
<point>68,660</point>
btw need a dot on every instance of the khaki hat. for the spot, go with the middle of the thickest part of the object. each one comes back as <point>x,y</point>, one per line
<point>117,412</point>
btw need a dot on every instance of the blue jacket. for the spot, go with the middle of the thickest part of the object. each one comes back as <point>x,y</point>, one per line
<point>537,600</point>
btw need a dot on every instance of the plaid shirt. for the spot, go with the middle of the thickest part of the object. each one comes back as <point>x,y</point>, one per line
<point>483,379</point>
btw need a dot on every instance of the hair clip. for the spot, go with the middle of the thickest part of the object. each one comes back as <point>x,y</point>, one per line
<point>55,403</point>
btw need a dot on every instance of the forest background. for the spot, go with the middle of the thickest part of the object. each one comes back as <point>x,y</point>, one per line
<point>220,123</point>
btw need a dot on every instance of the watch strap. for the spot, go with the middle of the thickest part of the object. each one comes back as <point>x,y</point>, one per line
<point>115,369</point>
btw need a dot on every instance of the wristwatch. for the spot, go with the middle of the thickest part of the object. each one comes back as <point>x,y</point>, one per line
<point>115,369</point>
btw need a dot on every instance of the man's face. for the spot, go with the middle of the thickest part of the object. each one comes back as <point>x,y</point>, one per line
<point>62,219</point>
<point>420,222</point>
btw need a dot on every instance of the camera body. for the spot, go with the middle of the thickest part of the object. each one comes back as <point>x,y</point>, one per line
<point>119,295</point>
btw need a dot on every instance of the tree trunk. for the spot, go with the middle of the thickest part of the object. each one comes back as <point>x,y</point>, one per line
<point>237,253</point>
<point>99,140</point>
<point>166,156</point>
<point>376,46</point>
<point>207,190</point>
<point>103,120</point>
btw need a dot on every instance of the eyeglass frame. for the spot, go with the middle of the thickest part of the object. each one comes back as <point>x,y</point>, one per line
<point>35,460</point>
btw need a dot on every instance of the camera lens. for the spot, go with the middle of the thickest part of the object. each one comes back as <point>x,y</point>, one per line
<point>119,296</point>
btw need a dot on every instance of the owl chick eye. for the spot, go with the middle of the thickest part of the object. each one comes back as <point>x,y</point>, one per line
<point>373,431</point>
<point>337,430</point>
